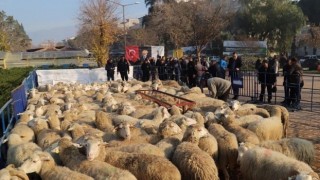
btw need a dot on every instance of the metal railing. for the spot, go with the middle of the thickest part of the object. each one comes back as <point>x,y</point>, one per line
<point>17,104</point>
<point>310,92</point>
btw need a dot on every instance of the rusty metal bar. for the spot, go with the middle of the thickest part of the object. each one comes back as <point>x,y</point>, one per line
<point>186,104</point>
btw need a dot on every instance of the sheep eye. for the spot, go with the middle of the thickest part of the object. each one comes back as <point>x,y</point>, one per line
<point>199,129</point>
<point>34,161</point>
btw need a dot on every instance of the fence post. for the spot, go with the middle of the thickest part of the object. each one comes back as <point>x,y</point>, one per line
<point>312,86</point>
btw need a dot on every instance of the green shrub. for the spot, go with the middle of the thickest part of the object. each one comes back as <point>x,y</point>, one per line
<point>9,80</point>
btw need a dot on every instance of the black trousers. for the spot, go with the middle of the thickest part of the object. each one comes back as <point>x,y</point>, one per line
<point>145,76</point>
<point>110,76</point>
<point>124,76</point>
<point>295,94</point>
<point>287,99</point>
<point>235,89</point>
<point>263,91</point>
<point>225,95</point>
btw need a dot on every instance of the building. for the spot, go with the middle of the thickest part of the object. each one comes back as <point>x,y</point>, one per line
<point>131,24</point>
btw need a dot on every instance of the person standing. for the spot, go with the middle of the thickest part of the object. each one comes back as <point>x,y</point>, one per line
<point>257,64</point>
<point>286,71</point>
<point>177,70</point>
<point>295,83</point>
<point>234,66</point>
<point>215,70</point>
<point>110,67</point>
<point>267,78</point>
<point>192,72</point>
<point>145,67</point>
<point>201,69</point>
<point>123,68</point>
<point>274,63</point>
<point>219,88</point>
<point>224,65</point>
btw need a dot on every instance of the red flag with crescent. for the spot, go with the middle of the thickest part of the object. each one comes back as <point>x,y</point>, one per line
<point>132,53</point>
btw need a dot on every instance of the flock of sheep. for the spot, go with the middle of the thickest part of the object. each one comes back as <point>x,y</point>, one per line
<point>107,131</point>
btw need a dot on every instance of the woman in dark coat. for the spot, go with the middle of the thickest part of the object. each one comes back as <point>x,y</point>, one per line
<point>145,67</point>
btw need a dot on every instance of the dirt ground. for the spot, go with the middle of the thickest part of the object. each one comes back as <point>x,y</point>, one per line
<point>306,125</point>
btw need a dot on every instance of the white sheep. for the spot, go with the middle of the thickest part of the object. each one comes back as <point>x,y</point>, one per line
<point>268,128</point>
<point>242,134</point>
<point>43,164</point>
<point>140,149</point>
<point>11,173</point>
<point>54,121</point>
<point>99,170</point>
<point>193,163</point>
<point>125,108</point>
<point>200,136</point>
<point>18,150</point>
<point>130,134</point>
<point>296,148</point>
<point>143,166</point>
<point>26,133</point>
<point>168,146</point>
<point>104,122</point>
<point>284,116</point>
<point>227,148</point>
<point>261,163</point>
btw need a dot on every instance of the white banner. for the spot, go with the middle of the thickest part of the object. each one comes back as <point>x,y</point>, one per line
<point>157,50</point>
<point>82,76</point>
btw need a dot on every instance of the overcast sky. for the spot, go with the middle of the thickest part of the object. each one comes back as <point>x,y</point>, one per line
<point>56,19</point>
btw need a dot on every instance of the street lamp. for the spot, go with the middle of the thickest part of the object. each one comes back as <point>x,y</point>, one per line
<point>124,20</point>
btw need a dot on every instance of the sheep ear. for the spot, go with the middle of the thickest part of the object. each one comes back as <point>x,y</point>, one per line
<point>77,145</point>
<point>115,129</point>
<point>56,150</point>
<point>104,144</point>
<point>44,157</point>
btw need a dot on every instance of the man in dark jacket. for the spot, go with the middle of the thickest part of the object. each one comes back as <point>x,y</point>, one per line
<point>215,70</point>
<point>234,66</point>
<point>192,73</point>
<point>110,67</point>
<point>123,68</point>
<point>286,72</point>
<point>267,78</point>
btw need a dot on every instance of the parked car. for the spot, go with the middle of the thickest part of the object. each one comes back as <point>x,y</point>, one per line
<point>310,62</point>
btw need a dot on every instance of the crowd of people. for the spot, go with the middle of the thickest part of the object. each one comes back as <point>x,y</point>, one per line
<point>212,72</point>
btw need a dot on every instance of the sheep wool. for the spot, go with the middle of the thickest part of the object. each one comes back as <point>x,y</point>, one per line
<point>43,164</point>
<point>261,163</point>
<point>99,170</point>
<point>193,163</point>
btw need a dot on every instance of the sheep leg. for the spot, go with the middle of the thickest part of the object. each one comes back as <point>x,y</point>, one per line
<point>225,173</point>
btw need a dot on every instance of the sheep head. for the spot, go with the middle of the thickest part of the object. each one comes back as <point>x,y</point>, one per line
<point>91,144</point>
<point>123,130</point>
<point>168,128</point>
<point>35,162</point>
<point>194,133</point>
<point>300,176</point>
<point>235,105</point>
<point>175,110</point>
<point>126,108</point>
<point>243,147</point>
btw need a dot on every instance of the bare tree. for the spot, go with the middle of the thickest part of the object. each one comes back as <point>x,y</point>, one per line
<point>195,22</point>
<point>98,27</point>
<point>312,38</point>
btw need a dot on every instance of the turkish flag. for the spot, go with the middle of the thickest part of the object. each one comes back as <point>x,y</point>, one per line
<point>132,53</point>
